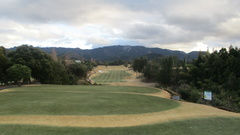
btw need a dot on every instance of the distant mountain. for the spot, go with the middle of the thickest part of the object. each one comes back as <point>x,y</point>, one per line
<point>151,56</point>
<point>195,54</point>
<point>119,52</point>
<point>126,52</point>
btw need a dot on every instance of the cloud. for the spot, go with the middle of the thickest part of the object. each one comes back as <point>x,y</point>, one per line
<point>171,24</point>
<point>146,31</point>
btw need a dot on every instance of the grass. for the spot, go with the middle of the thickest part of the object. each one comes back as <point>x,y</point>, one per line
<point>111,76</point>
<point>82,88</point>
<point>81,100</point>
<point>207,126</point>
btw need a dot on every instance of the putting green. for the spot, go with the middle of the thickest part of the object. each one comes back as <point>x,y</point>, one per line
<point>88,100</point>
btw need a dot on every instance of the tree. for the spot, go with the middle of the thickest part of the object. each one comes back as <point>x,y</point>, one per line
<point>79,70</point>
<point>37,60</point>
<point>4,65</point>
<point>58,74</point>
<point>17,72</point>
<point>106,64</point>
<point>41,63</point>
<point>2,59</point>
<point>165,70</point>
<point>139,64</point>
<point>152,69</point>
<point>218,72</point>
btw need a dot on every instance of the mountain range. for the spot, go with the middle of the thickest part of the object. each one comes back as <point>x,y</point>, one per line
<point>119,52</point>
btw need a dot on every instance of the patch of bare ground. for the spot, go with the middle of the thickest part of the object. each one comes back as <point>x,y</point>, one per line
<point>6,90</point>
<point>186,110</point>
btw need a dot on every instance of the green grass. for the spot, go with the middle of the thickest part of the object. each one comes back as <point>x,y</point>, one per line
<point>210,126</point>
<point>95,89</point>
<point>81,100</point>
<point>111,76</point>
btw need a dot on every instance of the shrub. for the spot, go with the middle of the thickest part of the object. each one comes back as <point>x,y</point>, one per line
<point>188,93</point>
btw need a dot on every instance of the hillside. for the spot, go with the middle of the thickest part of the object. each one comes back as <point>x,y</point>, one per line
<point>111,53</point>
<point>118,52</point>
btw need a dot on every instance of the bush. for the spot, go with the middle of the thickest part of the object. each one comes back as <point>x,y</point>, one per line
<point>229,101</point>
<point>188,93</point>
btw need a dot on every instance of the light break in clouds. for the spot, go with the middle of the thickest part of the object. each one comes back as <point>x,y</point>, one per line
<point>185,25</point>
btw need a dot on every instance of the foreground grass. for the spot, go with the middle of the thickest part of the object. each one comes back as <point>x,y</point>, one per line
<point>81,100</point>
<point>111,76</point>
<point>210,126</point>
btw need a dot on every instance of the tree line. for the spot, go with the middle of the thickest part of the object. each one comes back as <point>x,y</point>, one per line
<point>217,72</point>
<point>27,63</point>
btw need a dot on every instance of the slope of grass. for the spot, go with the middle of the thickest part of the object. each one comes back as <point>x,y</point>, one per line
<point>73,100</point>
<point>111,76</point>
<point>210,126</point>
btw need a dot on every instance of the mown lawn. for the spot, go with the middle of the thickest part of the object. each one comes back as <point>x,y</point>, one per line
<point>81,100</point>
<point>208,126</point>
<point>111,76</point>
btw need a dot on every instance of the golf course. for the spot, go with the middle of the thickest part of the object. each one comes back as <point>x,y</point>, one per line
<point>121,105</point>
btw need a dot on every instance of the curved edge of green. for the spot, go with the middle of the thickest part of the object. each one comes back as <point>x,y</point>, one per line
<point>199,126</point>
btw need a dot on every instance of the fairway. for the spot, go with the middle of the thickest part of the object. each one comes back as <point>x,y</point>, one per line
<point>111,76</point>
<point>81,100</point>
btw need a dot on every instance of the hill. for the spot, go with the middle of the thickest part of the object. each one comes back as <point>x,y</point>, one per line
<point>119,52</point>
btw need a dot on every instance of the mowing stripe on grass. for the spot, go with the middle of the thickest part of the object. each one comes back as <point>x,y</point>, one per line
<point>111,76</point>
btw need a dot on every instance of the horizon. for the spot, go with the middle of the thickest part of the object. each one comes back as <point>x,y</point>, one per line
<point>109,46</point>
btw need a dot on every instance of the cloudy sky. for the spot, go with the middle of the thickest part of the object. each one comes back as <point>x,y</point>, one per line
<point>184,25</point>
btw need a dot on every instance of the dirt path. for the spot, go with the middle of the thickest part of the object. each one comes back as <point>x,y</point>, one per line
<point>184,111</point>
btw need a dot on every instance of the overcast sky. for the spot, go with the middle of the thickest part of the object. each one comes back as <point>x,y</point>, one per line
<point>184,25</point>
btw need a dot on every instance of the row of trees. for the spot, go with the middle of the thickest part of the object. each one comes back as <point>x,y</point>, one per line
<point>42,67</point>
<point>217,72</point>
<point>164,69</point>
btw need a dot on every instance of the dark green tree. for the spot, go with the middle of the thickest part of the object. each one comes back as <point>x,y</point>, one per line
<point>79,70</point>
<point>4,65</point>
<point>58,74</point>
<point>219,73</point>
<point>165,72</point>
<point>106,64</point>
<point>18,72</point>
<point>152,69</point>
<point>139,64</point>
<point>44,68</point>
<point>38,61</point>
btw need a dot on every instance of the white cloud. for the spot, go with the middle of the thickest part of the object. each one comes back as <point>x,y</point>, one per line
<point>200,47</point>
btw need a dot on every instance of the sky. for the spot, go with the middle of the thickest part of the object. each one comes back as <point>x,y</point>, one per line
<point>185,25</point>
